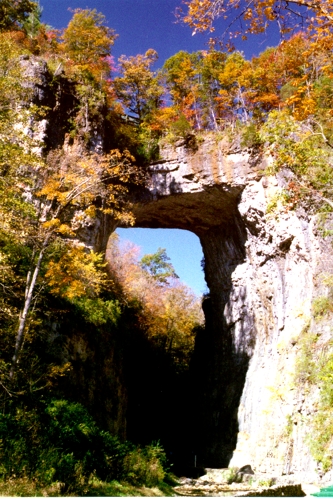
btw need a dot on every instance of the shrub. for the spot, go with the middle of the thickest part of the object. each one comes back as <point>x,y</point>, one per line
<point>322,306</point>
<point>60,442</point>
<point>145,466</point>
<point>250,137</point>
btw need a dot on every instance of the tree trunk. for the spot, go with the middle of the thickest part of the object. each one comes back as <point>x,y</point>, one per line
<point>31,283</point>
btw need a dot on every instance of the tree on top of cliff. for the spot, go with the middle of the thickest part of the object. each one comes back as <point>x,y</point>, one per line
<point>86,37</point>
<point>244,17</point>
<point>87,43</point>
<point>137,87</point>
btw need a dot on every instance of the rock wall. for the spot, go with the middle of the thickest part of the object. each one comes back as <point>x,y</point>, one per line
<point>263,261</point>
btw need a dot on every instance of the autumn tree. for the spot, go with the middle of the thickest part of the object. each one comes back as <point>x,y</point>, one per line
<point>253,17</point>
<point>138,87</point>
<point>86,47</point>
<point>66,194</point>
<point>87,40</point>
<point>211,65</point>
<point>182,81</point>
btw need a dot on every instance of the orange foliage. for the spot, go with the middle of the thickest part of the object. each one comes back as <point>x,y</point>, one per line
<point>168,312</point>
<point>253,16</point>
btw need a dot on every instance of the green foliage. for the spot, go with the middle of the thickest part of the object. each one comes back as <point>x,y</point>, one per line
<point>301,148</point>
<point>58,441</point>
<point>32,23</point>
<point>231,475</point>
<point>181,127</point>
<point>250,137</point>
<point>320,439</point>
<point>306,362</point>
<point>314,367</point>
<point>322,306</point>
<point>157,266</point>
<point>138,87</point>
<point>148,149</point>
<point>14,14</point>
<point>145,466</point>
<point>266,482</point>
<point>289,426</point>
<point>98,311</point>
<point>279,200</point>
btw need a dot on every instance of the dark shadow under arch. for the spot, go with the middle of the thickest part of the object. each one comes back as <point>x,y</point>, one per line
<point>218,369</point>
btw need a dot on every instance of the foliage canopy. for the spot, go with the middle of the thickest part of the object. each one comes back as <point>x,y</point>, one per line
<point>244,17</point>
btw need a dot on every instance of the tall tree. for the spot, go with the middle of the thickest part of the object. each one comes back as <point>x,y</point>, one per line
<point>87,43</point>
<point>138,87</point>
<point>158,265</point>
<point>211,65</point>
<point>182,77</point>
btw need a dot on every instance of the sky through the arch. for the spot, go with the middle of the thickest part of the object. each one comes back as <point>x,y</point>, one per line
<point>141,25</point>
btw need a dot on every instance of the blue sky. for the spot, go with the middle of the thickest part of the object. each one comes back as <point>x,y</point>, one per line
<point>183,248</point>
<point>145,24</point>
<point>141,25</point>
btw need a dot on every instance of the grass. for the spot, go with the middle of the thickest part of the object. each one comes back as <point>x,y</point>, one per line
<point>232,476</point>
<point>24,487</point>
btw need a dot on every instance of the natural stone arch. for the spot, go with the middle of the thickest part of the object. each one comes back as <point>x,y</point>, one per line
<point>199,192</point>
<point>261,271</point>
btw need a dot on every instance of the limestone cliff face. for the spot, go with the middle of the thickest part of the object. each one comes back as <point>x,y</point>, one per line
<point>97,377</point>
<point>263,262</point>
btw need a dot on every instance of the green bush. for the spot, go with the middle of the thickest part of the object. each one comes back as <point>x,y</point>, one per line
<point>232,476</point>
<point>314,367</point>
<point>322,306</point>
<point>60,442</point>
<point>181,127</point>
<point>250,137</point>
<point>145,466</point>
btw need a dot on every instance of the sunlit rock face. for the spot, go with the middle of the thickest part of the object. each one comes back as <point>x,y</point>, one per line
<point>202,186</point>
<point>262,262</point>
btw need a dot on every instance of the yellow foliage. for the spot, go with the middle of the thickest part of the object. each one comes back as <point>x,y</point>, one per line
<point>255,15</point>
<point>77,273</point>
<point>51,224</point>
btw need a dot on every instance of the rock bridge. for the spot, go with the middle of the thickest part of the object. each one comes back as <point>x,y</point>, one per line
<point>262,263</point>
<point>260,267</point>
